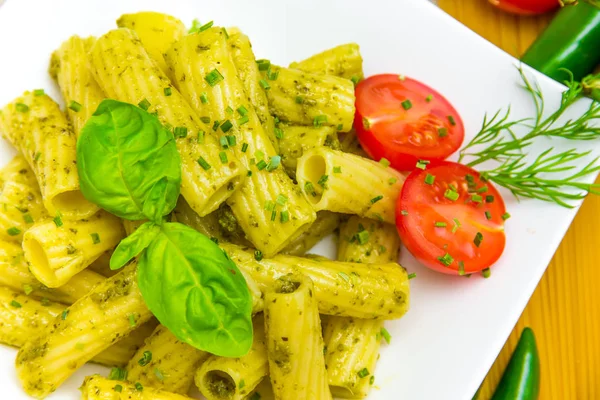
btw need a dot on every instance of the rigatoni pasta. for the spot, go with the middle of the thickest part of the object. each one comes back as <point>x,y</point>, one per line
<point>223,378</point>
<point>294,341</point>
<point>125,72</point>
<point>34,124</point>
<point>268,206</point>
<point>20,200</point>
<point>157,31</point>
<point>93,323</point>
<point>119,354</point>
<point>298,139</point>
<point>368,241</point>
<point>344,61</point>
<point>330,179</point>
<point>323,226</point>
<point>56,249</point>
<point>69,68</point>
<point>96,387</point>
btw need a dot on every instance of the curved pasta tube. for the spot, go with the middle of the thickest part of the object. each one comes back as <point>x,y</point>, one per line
<point>164,362</point>
<point>268,206</point>
<point>157,32</point>
<point>323,226</point>
<point>298,139</point>
<point>110,311</point>
<point>303,98</point>
<point>69,68</point>
<point>35,125</point>
<point>57,251</point>
<point>294,341</point>
<point>344,61</point>
<point>20,200</point>
<point>379,291</point>
<point>97,387</point>
<point>368,241</point>
<point>125,72</point>
<point>223,378</point>
<point>15,274</point>
<point>345,183</point>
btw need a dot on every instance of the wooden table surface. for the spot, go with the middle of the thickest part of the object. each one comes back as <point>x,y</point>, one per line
<point>564,311</point>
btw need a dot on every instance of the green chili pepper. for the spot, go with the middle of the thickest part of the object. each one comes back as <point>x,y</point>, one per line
<point>571,41</point>
<point>521,379</point>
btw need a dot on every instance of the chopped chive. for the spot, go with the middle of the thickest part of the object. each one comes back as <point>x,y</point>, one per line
<point>264,84</point>
<point>461,268</point>
<point>274,163</point>
<point>117,374</point>
<point>273,215</point>
<point>486,273</point>
<point>376,199</point>
<point>281,199</point>
<point>489,198</point>
<point>442,132</point>
<point>482,189</point>
<point>269,205</point>
<point>263,64</point>
<point>139,387</point>
<point>478,239</point>
<point>231,140</point>
<point>167,91</point>
<point>21,107</point>
<point>355,79</point>
<point>407,104</point>
<point>337,170</point>
<point>242,111</point>
<point>451,120</point>
<point>203,163</point>
<point>15,304</point>
<point>470,178</point>
<point>404,212</point>
<point>488,215</point>
<point>258,255</point>
<point>215,125</point>
<point>206,120</point>
<point>451,195</point>
<point>229,110</point>
<point>204,98</point>
<point>362,237</point>
<point>242,384</point>
<point>37,156</point>
<point>372,380</point>
<point>244,147</point>
<point>249,173</point>
<point>180,132</point>
<point>344,276</point>
<point>363,373</point>
<point>144,104</point>
<point>272,76</point>
<point>118,388</point>
<point>14,231</point>
<point>95,238</point>
<point>505,216</point>
<point>225,33</point>
<point>310,189</point>
<point>299,99</point>
<point>476,198</point>
<point>261,165</point>
<point>278,133</point>
<point>243,120</point>
<point>226,126</point>
<point>385,162</point>
<point>422,164</point>
<point>284,216</point>
<point>429,179</point>
<point>39,92</point>
<point>412,275</point>
<point>323,181</point>
<point>131,319</point>
<point>223,157</point>
<point>27,289</point>
<point>429,98</point>
<point>446,259</point>
<point>213,77</point>
<point>75,106</point>
<point>319,120</point>
<point>64,314</point>
<point>205,26</point>
<point>392,180</point>
<point>456,225</point>
<point>58,220</point>
<point>201,134</point>
<point>146,358</point>
<point>340,127</point>
<point>441,224</point>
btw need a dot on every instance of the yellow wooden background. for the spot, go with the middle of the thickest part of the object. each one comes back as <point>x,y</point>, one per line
<point>564,311</point>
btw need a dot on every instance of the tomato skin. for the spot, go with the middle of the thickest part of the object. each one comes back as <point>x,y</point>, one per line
<point>400,119</point>
<point>421,205</point>
<point>526,7</point>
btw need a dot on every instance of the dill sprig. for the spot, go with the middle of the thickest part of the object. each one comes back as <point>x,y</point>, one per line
<point>497,141</point>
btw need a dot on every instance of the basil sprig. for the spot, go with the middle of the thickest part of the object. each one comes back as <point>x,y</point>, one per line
<point>129,165</point>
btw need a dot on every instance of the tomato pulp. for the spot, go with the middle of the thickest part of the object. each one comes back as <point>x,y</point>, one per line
<point>526,7</point>
<point>450,219</point>
<point>404,121</point>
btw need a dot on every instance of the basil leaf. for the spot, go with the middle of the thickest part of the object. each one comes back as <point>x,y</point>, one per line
<point>196,291</point>
<point>122,153</point>
<point>156,200</point>
<point>133,244</point>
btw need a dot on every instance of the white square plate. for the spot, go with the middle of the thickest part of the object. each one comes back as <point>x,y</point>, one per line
<point>444,346</point>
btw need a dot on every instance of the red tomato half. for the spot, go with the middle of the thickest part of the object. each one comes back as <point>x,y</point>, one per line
<point>405,121</point>
<point>450,219</point>
<point>526,7</point>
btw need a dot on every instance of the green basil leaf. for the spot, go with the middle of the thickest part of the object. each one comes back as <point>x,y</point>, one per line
<point>133,245</point>
<point>156,200</point>
<point>196,291</point>
<point>122,153</point>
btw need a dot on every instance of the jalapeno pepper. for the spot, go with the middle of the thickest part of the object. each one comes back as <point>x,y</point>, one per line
<point>521,379</point>
<point>571,41</point>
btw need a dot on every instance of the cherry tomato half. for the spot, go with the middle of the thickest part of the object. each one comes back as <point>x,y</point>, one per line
<point>404,121</point>
<point>450,219</point>
<point>526,7</point>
